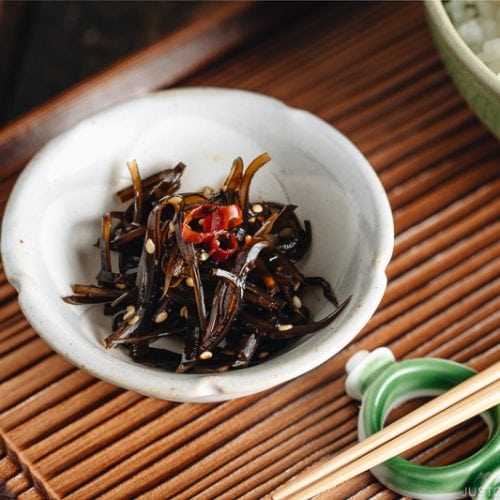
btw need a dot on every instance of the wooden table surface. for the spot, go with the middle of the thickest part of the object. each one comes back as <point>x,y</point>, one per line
<point>369,69</point>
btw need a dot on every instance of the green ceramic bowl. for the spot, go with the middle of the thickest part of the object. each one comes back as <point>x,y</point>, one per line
<point>476,82</point>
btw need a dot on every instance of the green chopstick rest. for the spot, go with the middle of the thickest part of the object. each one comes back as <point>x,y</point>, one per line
<point>381,384</point>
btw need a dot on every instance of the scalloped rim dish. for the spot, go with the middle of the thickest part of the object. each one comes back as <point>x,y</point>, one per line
<point>23,267</point>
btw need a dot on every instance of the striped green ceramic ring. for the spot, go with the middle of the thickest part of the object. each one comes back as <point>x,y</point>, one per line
<point>382,384</point>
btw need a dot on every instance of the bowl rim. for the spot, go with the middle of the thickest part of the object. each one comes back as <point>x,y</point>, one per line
<point>437,12</point>
<point>204,387</point>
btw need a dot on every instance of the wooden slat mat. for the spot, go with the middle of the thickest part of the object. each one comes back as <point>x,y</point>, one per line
<point>371,70</point>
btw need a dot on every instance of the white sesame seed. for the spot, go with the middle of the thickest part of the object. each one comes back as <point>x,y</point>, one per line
<point>129,314</point>
<point>257,208</point>
<point>161,317</point>
<point>204,256</point>
<point>206,355</point>
<point>189,282</point>
<point>171,227</point>
<point>150,246</point>
<point>207,191</point>
<point>251,220</point>
<point>201,221</point>
<point>296,286</point>
<point>297,303</point>
<point>285,327</point>
<point>263,354</point>
<point>134,320</point>
<point>183,312</point>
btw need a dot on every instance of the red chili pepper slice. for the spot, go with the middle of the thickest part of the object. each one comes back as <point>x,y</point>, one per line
<point>234,216</point>
<point>189,231</point>
<point>201,222</point>
<point>223,217</point>
<point>222,245</point>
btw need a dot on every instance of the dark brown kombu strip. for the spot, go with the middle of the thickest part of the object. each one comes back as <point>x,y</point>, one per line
<point>208,270</point>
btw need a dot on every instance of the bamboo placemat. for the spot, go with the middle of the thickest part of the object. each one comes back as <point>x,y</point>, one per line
<point>369,69</point>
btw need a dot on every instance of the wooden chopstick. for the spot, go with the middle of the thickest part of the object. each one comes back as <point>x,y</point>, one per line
<point>475,395</point>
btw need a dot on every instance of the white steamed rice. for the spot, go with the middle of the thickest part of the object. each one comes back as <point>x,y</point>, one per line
<point>478,23</point>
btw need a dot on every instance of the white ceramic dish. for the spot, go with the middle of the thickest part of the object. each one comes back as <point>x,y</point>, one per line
<point>53,218</point>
